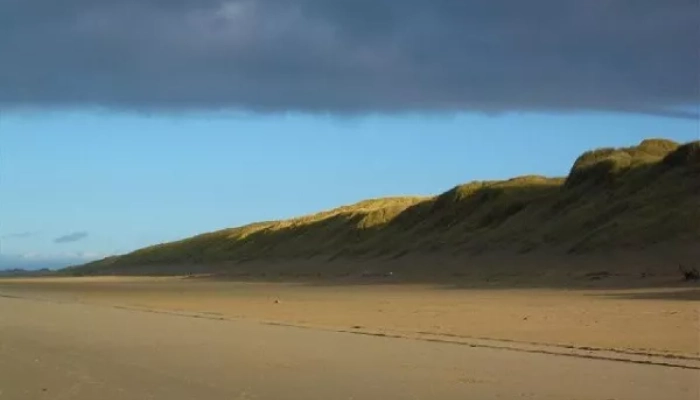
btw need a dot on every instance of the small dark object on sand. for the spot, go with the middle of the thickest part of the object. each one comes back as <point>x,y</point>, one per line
<point>689,274</point>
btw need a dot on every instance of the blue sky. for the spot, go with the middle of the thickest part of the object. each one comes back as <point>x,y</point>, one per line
<point>112,182</point>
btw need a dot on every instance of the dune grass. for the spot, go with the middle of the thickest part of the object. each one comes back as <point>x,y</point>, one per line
<point>612,198</point>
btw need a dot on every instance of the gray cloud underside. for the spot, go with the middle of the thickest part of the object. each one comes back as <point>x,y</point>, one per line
<point>352,56</point>
<point>72,237</point>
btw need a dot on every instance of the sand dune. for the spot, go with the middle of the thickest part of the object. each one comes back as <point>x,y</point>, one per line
<point>612,200</point>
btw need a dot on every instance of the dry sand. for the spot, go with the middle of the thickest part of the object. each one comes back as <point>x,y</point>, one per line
<point>171,338</point>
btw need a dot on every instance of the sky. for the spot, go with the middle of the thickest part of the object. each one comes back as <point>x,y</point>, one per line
<point>128,123</point>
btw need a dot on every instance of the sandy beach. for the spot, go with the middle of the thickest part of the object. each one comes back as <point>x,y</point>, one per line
<point>180,338</point>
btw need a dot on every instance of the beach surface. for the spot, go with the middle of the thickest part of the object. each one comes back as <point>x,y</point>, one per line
<point>174,338</point>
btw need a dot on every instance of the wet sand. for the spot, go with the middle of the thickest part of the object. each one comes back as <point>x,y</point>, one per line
<point>167,338</point>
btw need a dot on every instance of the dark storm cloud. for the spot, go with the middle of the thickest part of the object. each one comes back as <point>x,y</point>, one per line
<point>70,238</point>
<point>351,56</point>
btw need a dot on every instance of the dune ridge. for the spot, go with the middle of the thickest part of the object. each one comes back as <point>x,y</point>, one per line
<point>630,198</point>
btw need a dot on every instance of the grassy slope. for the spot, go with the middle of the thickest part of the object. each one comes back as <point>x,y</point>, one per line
<point>613,198</point>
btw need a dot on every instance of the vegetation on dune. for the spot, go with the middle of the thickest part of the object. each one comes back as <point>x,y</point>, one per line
<point>611,163</point>
<point>627,197</point>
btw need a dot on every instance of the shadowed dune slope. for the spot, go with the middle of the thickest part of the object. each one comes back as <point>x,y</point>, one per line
<point>623,198</point>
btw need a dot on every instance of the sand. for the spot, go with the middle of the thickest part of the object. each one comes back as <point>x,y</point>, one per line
<point>171,338</point>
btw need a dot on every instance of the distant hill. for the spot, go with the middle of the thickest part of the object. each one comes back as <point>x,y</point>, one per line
<point>615,198</point>
<point>18,272</point>
<point>30,263</point>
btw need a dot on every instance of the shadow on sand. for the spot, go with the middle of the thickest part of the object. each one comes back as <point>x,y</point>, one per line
<point>631,287</point>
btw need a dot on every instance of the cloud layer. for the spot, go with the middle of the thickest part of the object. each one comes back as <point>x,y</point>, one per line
<point>70,238</point>
<point>19,235</point>
<point>351,56</point>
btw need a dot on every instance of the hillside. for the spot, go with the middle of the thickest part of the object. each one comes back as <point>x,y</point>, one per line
<point>626,198</point>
